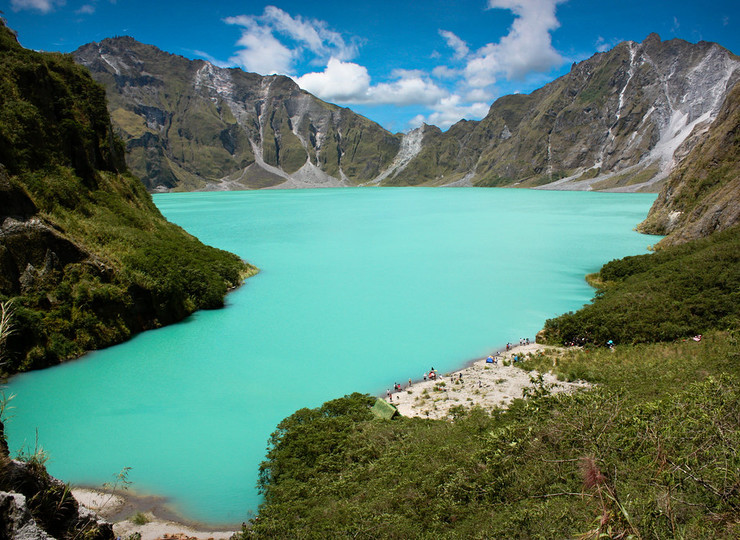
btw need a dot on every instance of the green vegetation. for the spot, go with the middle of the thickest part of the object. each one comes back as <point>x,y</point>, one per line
<point>677,292</point>
<point>652,452</point>
<point>139,518</point>
<point>90,260</point>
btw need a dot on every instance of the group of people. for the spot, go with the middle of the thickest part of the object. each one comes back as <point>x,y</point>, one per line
<point>430,375</point>
<point>522,341</point>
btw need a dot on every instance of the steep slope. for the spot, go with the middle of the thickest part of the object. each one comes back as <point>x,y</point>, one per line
<point>86,257</point>
<point>612,123</point>
<point>618,121</point>
<point>702,195</point>
<point>190,125</point>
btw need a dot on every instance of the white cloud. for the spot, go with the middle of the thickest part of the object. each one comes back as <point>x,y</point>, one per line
<point>44,6</point>
<point>407,91</point>
<point>314,34</point>
<point>349,83</point>
<point>264,52</point>
<point>87,9</point>
<point>345,82</point>
<point>479,94</point>
<point>455,43</point>
<point>260,51</point>
<point>445,72</point>
<point>526,48</point>
<point>450,110</point>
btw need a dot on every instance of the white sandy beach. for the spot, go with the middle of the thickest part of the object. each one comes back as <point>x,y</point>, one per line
<point>482,384</point>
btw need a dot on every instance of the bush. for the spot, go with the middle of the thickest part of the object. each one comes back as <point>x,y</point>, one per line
<point>677,292</point>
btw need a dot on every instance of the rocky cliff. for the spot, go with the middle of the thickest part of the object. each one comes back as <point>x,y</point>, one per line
<point>702,195</point>
<point>85,257</point>
<point>191,125</point>
<point>618,121</point>
<point>613,123</point>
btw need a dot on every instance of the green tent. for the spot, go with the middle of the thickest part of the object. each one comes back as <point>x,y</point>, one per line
<point>383,409</point>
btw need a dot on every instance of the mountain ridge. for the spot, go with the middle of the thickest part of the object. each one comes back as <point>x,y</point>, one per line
<point>614,122</point>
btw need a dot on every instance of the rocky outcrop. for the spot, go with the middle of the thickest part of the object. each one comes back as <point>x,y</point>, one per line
<point>613,123</point>
<point>36,506</point>
<point>191,125</point>
<point>702,195</point>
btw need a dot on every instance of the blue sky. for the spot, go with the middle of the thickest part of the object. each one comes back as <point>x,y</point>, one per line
<point>398,62</point>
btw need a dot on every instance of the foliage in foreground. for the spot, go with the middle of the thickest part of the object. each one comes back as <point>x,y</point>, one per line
<point>651,452</point>
<point>676,292</point>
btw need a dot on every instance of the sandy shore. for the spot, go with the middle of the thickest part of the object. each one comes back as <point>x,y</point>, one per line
<point>161,524</point>
<point>483,384</point>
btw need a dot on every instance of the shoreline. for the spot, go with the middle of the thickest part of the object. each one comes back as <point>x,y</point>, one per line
<point>476,383</point>
<point>119,506</point>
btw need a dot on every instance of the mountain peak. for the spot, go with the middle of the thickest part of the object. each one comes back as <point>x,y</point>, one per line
<point>614,122</point>
<point>652,39</point>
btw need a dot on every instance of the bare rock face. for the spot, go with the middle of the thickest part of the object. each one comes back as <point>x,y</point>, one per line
<point>191,125</point>
<point>619,121</point>
<point>702,195</point>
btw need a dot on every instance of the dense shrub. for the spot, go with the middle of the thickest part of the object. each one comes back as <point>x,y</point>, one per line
<point>677,292</point>
<point>650,453</point>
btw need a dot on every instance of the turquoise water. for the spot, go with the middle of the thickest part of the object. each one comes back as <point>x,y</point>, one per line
<point>359,288</point>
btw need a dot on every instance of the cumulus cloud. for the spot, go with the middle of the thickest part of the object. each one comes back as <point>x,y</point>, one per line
<point>450,110</point>
<point>349,83</point>
<point>272,42</point>
<point>344,82</point>
<point>455,43</point>
<point>260,51</point>
<point>526,48</point>
<point>445,72</point>
<point>44,6</point>
<point>277,42</point>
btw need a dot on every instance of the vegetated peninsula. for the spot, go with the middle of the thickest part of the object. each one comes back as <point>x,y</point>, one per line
<point>87,259</point>
<point>619,120</point>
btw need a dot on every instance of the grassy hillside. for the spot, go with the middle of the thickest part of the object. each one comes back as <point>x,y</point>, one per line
<point>650,453</point>
<point>87,259</point>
